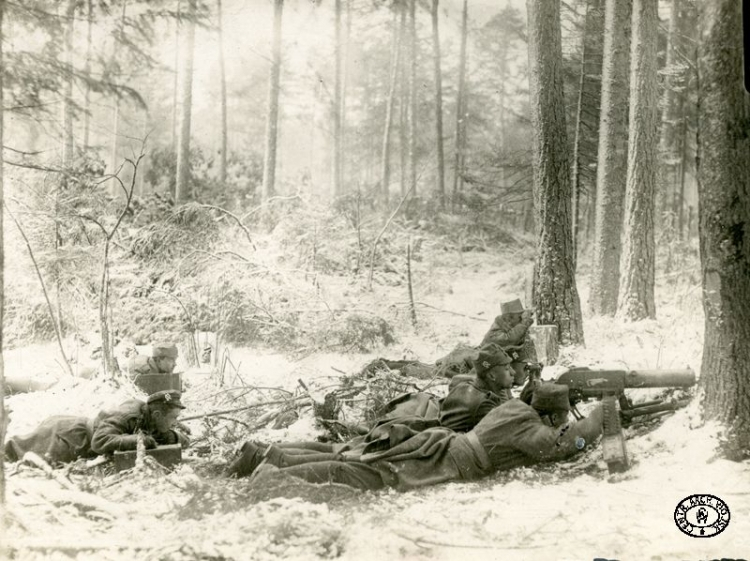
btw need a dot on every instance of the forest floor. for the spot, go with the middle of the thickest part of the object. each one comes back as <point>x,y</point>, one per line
<point>573,510</point>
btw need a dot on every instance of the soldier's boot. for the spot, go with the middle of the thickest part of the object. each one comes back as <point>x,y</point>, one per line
<point>249,458</point>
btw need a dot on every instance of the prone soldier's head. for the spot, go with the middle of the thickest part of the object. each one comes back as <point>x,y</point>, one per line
<point>552,401</point>
<point>492,366</point>
<point>164,407</point>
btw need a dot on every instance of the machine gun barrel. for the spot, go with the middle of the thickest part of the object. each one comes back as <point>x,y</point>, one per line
<point>588,382</point>
<point>679,378</point>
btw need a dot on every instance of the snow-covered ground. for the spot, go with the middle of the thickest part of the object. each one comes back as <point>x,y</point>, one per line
<point>572,511</point>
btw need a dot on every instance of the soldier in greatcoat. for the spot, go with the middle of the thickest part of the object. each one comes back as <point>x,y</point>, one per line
<point>63,438</point>
<point>512,435</point>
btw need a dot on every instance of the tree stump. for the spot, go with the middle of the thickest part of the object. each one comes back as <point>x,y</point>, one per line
<point>545,341</point>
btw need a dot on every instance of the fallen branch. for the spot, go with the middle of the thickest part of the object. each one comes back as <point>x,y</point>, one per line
<point>380,235</point>
<point>70,493</point>
<point>451,312</point>
<point>236,219</point>
<point>251,406</point>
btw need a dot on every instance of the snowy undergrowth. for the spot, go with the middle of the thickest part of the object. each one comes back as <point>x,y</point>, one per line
<point>574,510</point>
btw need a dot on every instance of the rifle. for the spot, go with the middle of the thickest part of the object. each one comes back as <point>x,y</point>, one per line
<point>609,386</point>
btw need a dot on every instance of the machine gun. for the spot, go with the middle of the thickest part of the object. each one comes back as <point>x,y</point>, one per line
<point>609,386</point>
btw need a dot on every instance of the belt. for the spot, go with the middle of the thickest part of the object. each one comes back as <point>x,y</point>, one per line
<point>479,451</point>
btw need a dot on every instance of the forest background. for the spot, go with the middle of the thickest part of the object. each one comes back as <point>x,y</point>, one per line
<point>192,171</point>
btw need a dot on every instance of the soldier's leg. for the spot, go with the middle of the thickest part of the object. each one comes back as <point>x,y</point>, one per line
<point>355,474</point>
<point>305,447</point>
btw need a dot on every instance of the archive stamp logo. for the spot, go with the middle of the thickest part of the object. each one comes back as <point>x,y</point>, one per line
<point>701,516</point>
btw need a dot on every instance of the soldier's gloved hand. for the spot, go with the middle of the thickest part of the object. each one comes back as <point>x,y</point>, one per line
<point>149,442</point>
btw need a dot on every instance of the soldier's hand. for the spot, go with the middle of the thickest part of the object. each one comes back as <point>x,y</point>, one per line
<point>527,316</point>
<point>149,442</point>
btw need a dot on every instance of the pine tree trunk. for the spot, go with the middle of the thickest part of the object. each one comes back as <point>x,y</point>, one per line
<point>344,87</point>
<point>336,171</point>
<point>87,74</point>
<point>182,185</point>
<point>3,412</point>
<point>272,123</point>
<point>439,152</point>
<point>176,82</point>
<point>223,78</point>
<point>636,293</point>
<point>587,114</point>
<point>460,108</point>
<point>413,97</point>
<point>68,143</point>
<point>385,175</point>
<point>612,159</point>
<point>724,207</point>
<point>668,143</point>
<point>403,108</point>
<point>556,296</point>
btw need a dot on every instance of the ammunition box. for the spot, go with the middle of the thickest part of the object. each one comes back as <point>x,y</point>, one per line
<point>168,456</point>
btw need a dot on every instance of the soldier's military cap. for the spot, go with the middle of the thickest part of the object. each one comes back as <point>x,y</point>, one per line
<point>511,307</point>
<point>550,397</point>
<point>168,397</point>
<point>489,357</point>
<point>167,350</point>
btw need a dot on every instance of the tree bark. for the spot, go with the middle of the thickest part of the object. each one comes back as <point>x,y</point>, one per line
<point>272,123</point>
<point>724,208</point>
<point>460,107</point>
<point>182,184</point>
<point>587,114</point>
<point>385,175</point>
<point>176,82</point>
<point>612,159</point>
<point>223,78</point>
<point>413,97</point>
<point>555,293</point>
<point>439,152</point>
<point>3,412</point>
<point>344,87</point>
<point>68,142</point>
<point>336,171</point>
<point>636,293</point>
<point>87,74</point>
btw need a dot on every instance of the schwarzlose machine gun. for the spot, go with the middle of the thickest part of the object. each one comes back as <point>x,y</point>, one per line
<point>609,386</point>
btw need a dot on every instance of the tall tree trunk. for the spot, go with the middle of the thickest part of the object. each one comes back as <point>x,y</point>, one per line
<point>3,412</point>
<point>182,184</point>
<point>555,294</point>
<point>403,107</point>
<point>587,114</point>
<point>336,171</point>
<point>612,159</point>
<point>460,108</point>
<point>501,141</point>
<point>223,78</point>
<point>724,207</point>
<point>439,153</point>
<point>385,175</point>
<point>176,82</point>
<point>115,146</point>
<point>272,124</point>
<point>344,87</point>
<point>68,142</point>
<point>87,74</point>
<point>413,97</point>
<point>670,117</point>
<point>636,298</point>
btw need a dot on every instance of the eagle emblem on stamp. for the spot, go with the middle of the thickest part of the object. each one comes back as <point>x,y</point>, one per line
<point>701,516</point>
